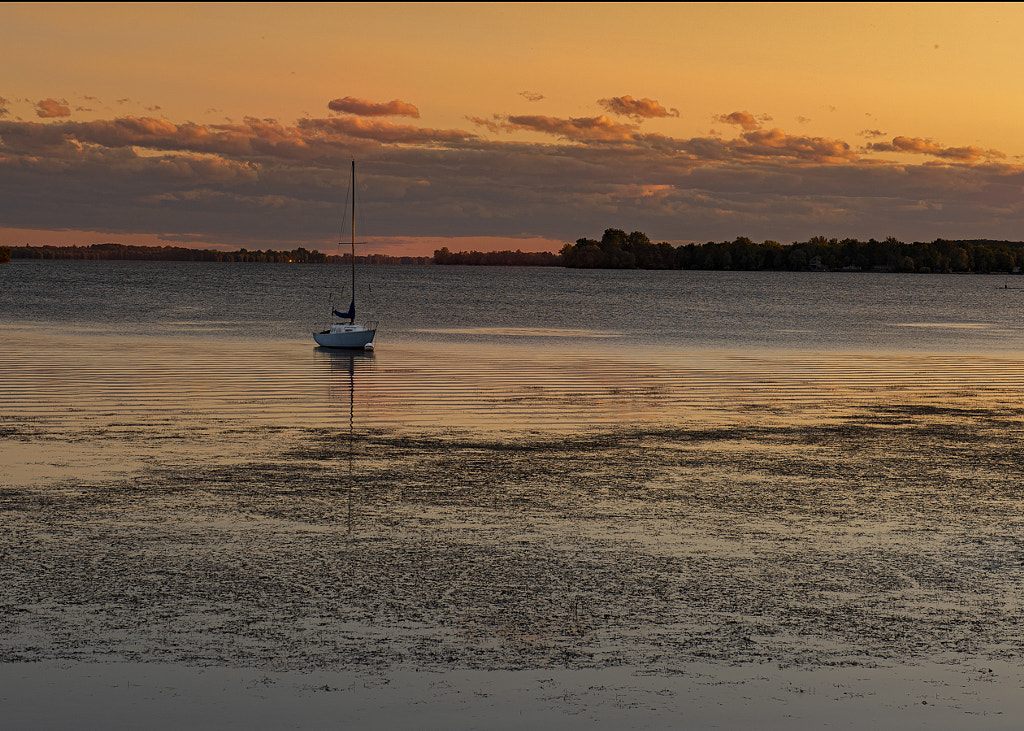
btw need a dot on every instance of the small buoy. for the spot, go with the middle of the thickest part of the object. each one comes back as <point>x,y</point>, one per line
<point>368,346</point>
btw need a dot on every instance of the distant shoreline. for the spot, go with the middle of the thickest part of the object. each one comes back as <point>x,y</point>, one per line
<point>123,252</point>
<point>619,250</point>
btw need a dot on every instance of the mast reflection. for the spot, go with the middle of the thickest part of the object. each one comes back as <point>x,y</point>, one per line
<point>342,366</point>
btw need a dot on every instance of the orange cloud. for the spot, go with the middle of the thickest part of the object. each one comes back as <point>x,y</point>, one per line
<point>308,139</point>
<point>380,131</point>
<point>364,108</point>
<point>531,96</point>
<point>208,170</point>
<point>496,124</point>
<point>920,146</point>
<point>591,129</point>
<point>746,120</point>
<point>776,142</point>
<point>52,108</point>
<point>627,106</point>
<point>261,180</point>
<point>164,135</point>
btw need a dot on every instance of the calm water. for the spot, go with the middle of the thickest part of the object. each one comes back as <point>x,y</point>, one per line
<point>537,468</point>
<point>495,348</point>
<point>542,308</point>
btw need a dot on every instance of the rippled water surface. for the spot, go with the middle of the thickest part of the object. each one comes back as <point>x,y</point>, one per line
<point>541,307</point>
<point>493,348</point>
<point>535,468</point>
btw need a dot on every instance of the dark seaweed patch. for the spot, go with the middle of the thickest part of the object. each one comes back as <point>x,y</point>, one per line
<point>889,534</point>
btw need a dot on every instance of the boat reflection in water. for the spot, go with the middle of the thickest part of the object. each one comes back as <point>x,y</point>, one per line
<point>342,366</point>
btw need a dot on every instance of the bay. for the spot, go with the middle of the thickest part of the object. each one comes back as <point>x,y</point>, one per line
<point>450,305</point>
<point>494,348</point>
<point>694,487</point>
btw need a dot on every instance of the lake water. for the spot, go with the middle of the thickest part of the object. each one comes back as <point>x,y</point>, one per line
<point>536,469</point>
<point>496,348</point>
<point>538,307</point>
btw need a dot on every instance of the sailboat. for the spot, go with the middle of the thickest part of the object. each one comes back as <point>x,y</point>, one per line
<point>348,334</point>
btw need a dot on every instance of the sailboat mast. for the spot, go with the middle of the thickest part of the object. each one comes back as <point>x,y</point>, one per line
<point>353,239</point>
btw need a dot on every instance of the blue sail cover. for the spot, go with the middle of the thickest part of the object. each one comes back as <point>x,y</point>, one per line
<point>350,315</point>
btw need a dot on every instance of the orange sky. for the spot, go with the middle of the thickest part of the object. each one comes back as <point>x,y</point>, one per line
<point>508,126</point>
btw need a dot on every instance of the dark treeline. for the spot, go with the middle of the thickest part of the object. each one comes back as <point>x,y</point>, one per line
<point>619,250</point>
<point>498,258</point>
<point>125,252</point>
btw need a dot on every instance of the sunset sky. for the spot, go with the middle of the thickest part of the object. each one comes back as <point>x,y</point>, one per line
<point>509,126</point>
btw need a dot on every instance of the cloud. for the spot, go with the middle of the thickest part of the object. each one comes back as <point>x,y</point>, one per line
<point>497,123</point>
<point>261,180</point>
<point>3,107</point>
<point>918,145</point>
<point>746,120</point>
<point>363,108</point>
<point>52,108</point>
<point>310,139</point>
<point>627,106</point>
<point>531,96</point>
<point>579,129</point>
<point>871,133</point>
<point>336,129</point>
<point>775,142</point>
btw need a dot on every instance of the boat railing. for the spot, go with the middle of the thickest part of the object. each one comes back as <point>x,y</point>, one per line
<point>365,324</point>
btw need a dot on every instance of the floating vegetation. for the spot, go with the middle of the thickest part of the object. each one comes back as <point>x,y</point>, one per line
<point>889,533</point>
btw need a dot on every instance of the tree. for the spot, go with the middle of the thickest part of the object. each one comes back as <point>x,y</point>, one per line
<point>798,258</point>
<point>959,261</point>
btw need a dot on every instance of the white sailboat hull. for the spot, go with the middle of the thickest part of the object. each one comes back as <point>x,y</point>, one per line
<point>345,336</point>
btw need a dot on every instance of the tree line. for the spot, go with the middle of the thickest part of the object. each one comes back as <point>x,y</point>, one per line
<point>128,252</point>
<point>498,258</point>
<point>618,250</point>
